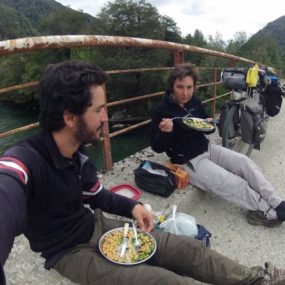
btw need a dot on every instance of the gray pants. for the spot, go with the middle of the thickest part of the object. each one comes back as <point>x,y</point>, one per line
<point>234,177</point>
<point>177,259</point>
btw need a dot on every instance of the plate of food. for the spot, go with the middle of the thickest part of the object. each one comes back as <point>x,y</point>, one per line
<point>110,242</point>
<point>198,124</point>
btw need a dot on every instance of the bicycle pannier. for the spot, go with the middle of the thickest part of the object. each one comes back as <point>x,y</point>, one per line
<point>155,178</point>
<point>252,126</point>
<point>273,100</point>
<point>234,78</point>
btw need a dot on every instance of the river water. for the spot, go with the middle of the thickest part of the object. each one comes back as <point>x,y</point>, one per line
<point>12,117</point>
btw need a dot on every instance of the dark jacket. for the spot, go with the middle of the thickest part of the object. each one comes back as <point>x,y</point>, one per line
<point>183,143</point>
<point>54,218</point>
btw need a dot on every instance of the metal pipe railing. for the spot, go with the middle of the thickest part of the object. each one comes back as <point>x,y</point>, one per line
<point>70,41</point>
<point>112,104</point>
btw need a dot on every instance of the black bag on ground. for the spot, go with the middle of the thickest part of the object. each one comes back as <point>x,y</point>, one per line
<point>273,100</point>
<point>155,178</point>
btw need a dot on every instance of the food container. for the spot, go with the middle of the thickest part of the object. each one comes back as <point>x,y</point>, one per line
<point>181,175</point>
<point>127,190</point>
<point>109,245</point>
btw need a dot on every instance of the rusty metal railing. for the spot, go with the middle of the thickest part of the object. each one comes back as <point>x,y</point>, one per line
<point>54,42</point>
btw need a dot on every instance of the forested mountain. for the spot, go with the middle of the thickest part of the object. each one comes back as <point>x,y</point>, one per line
<point>276,30</point>
<point>268,44</point>
<point>21,18</point>
<point>14,24</point>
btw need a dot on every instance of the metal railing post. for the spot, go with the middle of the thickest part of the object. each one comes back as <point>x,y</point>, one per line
<point>214,91</point>
<point>178,56</point>
<point>106,145</point>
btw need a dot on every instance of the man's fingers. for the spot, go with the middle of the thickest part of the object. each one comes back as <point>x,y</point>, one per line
<point>141,224</point>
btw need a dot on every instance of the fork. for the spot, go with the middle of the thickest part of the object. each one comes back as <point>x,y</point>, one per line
<point>137,243</point>
<point>184,117</point>
<point>123,245</point>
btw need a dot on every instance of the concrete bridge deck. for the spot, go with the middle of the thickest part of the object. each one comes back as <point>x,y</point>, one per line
<point>232,236</point>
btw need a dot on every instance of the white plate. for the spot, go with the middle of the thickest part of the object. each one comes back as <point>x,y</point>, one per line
<point>116,251</point>
<point>196,128</point>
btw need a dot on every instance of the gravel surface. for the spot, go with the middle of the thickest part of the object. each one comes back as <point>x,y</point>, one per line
<point>231,235</point>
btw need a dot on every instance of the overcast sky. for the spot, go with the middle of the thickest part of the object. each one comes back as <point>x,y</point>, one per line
<point>210,16</point>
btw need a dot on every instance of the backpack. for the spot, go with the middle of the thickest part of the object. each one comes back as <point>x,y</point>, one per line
<point>155,178</point>
<point>273,99</point>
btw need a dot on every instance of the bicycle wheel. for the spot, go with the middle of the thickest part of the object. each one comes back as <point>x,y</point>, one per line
<point>227,132</point>
<point>231,133</point>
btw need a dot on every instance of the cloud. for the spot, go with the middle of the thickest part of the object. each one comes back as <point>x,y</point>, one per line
<point>208,16</point>
<point>88,6</point>
<point>161,3</point>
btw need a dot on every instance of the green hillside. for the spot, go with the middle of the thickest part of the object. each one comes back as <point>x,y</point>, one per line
<point>14,24</point>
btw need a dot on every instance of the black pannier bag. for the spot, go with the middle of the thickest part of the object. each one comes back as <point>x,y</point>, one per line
<point>234,78</point>
<point>155,178</point>
<point>273,99</point>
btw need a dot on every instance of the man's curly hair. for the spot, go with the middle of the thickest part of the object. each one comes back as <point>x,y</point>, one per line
<point>66,86</point>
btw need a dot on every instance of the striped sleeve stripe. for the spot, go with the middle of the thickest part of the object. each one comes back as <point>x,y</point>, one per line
<point>94,190</point>
<point>9,158</point>
<point>16,166</point>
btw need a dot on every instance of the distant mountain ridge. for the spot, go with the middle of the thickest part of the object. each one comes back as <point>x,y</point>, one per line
<point>267,45</point>
<point>275,30</point>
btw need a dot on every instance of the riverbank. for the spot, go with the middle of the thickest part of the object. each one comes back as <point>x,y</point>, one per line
<point>231,234</point>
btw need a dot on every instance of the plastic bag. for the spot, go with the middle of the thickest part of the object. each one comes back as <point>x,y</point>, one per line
<point>180,224</point>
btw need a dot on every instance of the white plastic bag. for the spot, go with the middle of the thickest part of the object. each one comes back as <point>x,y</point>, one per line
<point>180,224</point>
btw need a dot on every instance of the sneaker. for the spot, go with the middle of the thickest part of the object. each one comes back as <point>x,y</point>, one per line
<point>257,218</point>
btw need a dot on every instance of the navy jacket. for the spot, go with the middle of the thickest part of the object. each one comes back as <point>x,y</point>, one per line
<point>183,143</point>
<point>42,194</point>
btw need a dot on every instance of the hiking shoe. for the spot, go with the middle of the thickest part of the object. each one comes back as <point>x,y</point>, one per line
<point>257,218</point>
<point>273,276</point>
<point>280,211</point>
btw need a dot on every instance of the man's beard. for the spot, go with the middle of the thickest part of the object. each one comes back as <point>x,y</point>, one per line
<point>85,135</point>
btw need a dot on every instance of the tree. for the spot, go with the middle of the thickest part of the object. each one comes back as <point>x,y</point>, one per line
<point>134,19</point>
<point>234,45</point>
<point>131,18</point>
<point>171,32</point>
<point>198,40</point>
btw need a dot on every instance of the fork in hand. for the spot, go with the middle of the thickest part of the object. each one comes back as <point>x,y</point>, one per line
<point>137,243</point>
<point>184,117</point>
